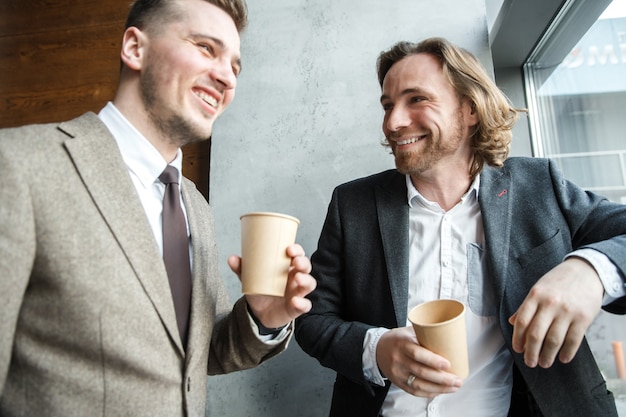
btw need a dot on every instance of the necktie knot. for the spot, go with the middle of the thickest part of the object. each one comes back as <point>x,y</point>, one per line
<point>169,175</point>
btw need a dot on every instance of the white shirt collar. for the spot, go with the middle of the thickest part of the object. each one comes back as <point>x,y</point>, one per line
<point>141,157</point>
<point>414,196</point>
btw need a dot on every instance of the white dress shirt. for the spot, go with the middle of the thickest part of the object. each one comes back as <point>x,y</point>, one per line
<point>145,164</point>
<point>446,260</point>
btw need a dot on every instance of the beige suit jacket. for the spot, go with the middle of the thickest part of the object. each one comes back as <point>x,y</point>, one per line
<point>87,325</point>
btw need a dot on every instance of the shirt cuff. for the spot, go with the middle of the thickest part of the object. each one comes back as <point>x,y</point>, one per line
<point>611,277</point>
<point>370,366</point>
<point>268,336</point>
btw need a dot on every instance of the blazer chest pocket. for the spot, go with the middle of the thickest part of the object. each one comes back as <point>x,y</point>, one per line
<point>542,258</point>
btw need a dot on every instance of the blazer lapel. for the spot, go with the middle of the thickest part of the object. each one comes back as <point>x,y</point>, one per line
<point>101,167</point>
<point>393,218</point>
<point>201,297</point>
<point>495,204</point>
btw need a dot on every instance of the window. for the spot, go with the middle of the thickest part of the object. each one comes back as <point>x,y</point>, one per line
<point>576,87</point>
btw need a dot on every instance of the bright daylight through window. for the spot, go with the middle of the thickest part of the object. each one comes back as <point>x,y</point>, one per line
<point>576,86</point>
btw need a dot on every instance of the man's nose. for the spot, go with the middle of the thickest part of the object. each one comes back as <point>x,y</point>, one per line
<point>397,118</point>
<point>222,72</point>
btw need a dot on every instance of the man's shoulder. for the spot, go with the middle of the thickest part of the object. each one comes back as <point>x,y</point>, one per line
<point>33,134</point>
<point>520,162</point>
<point>38,146</point>
<point>522,168</point>
<point>388,177</point>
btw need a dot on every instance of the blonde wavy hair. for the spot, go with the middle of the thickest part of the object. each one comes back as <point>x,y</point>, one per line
<point>496,115</point>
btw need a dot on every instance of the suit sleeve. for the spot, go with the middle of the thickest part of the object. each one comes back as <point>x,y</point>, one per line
<point>235,345</point>
<point>595,223</point>
<point>325,332</point>
<point>17,249</point>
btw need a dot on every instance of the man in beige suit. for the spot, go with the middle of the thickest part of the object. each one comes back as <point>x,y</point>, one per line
<point>88,325</point>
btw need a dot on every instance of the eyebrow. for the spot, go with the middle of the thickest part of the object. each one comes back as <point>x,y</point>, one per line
<point>220,44</point>
<point>406,91</point>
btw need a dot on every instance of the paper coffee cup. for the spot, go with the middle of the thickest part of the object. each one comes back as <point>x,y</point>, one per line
<point>440,327</point>
<point>264,261</point>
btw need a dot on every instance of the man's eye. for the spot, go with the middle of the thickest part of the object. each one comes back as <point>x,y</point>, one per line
<point>206,47</point>
<point>387,107</point>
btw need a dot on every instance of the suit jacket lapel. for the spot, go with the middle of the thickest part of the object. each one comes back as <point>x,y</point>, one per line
<point>201,296</point>
<point>101,167</point>
<point>393,218</point>
<point>495,204</point>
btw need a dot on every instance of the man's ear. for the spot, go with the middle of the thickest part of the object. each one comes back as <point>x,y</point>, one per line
<point>133,48</point>
<point>472,114</point>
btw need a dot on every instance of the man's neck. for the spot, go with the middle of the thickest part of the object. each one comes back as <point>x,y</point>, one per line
<point>443,189</point>
<point>134,113</point>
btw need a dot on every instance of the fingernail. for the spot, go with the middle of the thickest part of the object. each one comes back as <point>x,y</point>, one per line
<point>545,363</point>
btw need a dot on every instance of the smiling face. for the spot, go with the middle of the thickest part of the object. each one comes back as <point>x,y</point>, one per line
<point>188,72</point>
<point>426,124</point>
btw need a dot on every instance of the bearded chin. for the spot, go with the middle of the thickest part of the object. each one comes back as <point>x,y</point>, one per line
<point>181,131</point>
<point>409,162</point>
<point>402,163</point>
<point>173,125</point>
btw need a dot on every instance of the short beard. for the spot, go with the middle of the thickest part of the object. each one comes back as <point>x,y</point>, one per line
<point>418,162</point>
<point>415,163</point>
<point>172,126</point>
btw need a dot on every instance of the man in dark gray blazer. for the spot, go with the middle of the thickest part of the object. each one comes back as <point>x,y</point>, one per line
<point>88,325</point>
<point>532,256</point>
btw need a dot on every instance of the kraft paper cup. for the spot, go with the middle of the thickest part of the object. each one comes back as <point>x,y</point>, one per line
<point>264,261</point>
<point>440,327</point>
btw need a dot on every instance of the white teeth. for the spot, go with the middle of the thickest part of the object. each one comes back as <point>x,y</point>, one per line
<point>211,101</point>
<point>407,141</point>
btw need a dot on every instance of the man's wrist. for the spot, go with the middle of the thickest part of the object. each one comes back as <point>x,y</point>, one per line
<point>264,331</point>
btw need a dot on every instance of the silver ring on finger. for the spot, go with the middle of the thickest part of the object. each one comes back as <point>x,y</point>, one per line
<point>410,380</point>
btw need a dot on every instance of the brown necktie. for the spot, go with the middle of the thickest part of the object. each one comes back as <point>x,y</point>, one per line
<point>176,249</point>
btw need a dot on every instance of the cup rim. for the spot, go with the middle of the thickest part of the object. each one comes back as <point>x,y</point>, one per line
<point>439,323</point>
<point>270,214</point>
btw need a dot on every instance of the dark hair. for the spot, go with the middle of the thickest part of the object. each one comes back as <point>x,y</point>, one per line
<point>154,13</point>
<point>496,114</point>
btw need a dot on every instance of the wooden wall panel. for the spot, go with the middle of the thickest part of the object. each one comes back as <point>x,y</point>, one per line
<point>52,76</point>
<point>30,16</point>
<point>60,58</point>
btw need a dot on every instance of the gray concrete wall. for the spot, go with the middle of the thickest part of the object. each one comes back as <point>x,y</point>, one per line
<point>307,118</point>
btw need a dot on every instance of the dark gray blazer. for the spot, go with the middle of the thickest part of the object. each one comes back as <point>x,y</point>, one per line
<point>87,326</point>
<point>532,218</point>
